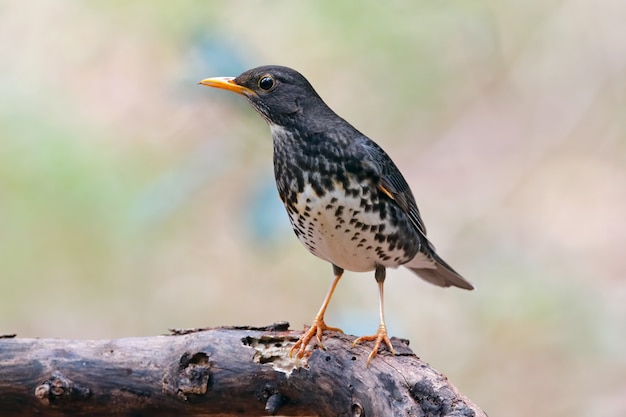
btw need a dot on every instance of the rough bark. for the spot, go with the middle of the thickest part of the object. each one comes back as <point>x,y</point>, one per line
<point>219,372</point>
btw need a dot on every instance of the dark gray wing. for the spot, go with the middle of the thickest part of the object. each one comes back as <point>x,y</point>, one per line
<point>392,183</point>
<point>426,264</point>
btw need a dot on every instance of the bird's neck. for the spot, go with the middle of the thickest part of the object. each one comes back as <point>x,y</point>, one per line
<point>304,141</point>
<point>298,147</point>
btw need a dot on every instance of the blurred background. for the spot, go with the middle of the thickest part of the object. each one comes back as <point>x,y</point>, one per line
<point>133,200</point>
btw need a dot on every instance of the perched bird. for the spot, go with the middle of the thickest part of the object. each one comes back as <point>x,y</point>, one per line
<point>347,201</point>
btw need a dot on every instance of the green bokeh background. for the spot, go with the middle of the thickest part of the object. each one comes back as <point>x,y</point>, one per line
<point>133,200</point>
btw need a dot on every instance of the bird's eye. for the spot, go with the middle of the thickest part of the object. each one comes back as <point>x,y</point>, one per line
<point>266,83</point>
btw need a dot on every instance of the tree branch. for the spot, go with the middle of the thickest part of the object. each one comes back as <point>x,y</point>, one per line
<point>219,372</point>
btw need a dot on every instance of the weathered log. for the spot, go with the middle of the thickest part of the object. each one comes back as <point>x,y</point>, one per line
<point>219,372</point>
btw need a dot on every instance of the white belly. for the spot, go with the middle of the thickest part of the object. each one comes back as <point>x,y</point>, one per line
<point>337,229</point>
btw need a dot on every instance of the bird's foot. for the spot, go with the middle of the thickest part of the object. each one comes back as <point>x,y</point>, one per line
<point>316,329</point>
<point>379,337</point>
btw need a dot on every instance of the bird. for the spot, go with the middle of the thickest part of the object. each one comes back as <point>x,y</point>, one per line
<point>347,201</point>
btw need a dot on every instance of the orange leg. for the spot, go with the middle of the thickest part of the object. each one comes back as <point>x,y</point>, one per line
<point>318,325</point>
<point>381,333</point>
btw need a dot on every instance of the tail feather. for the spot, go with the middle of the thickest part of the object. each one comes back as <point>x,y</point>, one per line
<point>438,272</point>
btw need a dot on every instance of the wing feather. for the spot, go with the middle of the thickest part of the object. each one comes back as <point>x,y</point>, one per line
<point>427,264</point>
<point>393,184</point>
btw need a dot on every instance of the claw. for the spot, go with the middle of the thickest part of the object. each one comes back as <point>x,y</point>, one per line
<point>379,337</point>
<point>316,329</point>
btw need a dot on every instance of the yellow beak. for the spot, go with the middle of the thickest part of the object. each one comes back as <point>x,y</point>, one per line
<point>226,83</point>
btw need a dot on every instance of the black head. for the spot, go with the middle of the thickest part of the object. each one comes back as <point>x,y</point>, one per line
<point>280,94</point>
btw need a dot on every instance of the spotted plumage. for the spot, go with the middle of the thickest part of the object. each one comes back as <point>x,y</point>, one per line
<point>347,201</point>
<point>335,207</point>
